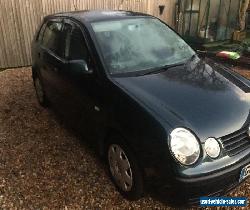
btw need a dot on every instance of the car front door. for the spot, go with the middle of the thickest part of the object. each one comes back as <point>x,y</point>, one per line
<point>81,83</point>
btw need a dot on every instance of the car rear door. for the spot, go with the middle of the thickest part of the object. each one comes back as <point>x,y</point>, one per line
<point>53,57</point>
<point>81,88</point>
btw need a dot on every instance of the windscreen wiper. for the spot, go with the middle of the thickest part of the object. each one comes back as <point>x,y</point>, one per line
<point>162,68</point>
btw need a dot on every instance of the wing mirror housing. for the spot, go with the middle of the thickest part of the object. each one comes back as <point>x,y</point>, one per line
<point>80,66</point>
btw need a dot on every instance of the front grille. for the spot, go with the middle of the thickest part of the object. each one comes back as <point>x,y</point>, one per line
<point>236,142</point>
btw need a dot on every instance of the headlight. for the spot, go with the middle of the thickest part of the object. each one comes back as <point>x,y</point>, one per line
<point>184,146</point>
<point>212,147</point>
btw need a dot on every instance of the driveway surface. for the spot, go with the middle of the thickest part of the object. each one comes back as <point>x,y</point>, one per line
<point>45,166</point>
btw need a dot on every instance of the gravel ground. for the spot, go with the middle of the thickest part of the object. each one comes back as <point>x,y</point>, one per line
<point>44,166</point>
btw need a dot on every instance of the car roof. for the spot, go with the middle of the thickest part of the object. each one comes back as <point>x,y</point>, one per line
<point>99,15</point>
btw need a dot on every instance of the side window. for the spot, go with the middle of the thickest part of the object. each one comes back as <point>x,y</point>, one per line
<point>52,38</point>
<point>78,48</point>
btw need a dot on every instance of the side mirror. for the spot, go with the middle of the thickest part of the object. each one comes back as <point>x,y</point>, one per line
<point>80,66</point>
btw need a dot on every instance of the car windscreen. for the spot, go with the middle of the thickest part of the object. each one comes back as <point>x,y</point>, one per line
<point>132,45</point>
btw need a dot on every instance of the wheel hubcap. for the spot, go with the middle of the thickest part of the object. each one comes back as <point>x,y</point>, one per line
<point>120,167</point>
<point>39,90</point>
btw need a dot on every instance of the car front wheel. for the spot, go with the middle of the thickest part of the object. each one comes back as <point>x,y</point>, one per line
<point>124,170</point>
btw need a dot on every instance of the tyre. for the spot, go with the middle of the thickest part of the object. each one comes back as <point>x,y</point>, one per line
<point>41,97</point>
<point>124,170</point>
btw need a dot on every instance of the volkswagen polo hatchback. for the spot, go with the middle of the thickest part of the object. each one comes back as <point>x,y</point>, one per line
<point>160,115</point>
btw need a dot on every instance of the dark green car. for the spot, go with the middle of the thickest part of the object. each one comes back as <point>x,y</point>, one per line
<point>161,116</point>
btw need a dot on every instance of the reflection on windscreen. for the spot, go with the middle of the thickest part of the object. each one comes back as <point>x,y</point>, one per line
<point>138,44</point>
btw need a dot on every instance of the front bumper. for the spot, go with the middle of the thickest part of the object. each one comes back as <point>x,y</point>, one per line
<point>189,189</point>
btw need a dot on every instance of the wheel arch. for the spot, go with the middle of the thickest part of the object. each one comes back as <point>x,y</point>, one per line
<point>110,132</point>
<point>113,132</point>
